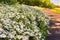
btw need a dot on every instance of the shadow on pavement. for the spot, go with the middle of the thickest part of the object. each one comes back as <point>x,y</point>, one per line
<point>55,32</point>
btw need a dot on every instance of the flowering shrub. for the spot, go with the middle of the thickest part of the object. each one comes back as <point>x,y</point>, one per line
<point>22,22</point>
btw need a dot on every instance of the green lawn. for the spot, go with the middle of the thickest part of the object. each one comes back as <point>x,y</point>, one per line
<point>56,10</point>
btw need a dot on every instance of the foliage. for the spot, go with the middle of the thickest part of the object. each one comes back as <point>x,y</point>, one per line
<point>42,3</point>
<point>8,1</point>
<point>21,22</point>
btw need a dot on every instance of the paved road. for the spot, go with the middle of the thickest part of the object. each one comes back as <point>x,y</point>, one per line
<point>54,25</point>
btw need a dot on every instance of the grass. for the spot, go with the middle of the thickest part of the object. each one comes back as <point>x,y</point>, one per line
<point>56,10</point>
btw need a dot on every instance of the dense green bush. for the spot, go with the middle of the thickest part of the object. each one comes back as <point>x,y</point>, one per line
<point>30,2</point>
<point>42,3</point>
<point>21,22</point>
<point>8,1</point>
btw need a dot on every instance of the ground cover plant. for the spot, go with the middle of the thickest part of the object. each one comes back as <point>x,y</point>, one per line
<point>22,22</point>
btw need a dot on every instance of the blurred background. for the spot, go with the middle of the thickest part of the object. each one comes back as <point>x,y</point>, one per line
<point>53,5</point>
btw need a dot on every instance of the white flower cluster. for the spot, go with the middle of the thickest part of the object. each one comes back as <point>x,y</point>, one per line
<point>20,22</point>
